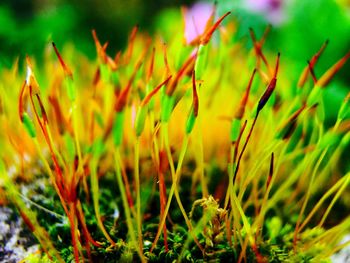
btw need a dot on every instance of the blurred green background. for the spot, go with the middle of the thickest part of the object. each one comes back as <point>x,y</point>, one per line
<point>27,26</point>
<point>299,26</point>
<point>299,29</point>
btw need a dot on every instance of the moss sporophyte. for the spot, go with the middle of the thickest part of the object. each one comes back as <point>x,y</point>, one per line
<point>193,151</point>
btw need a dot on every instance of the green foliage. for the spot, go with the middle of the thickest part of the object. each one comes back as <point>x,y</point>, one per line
<point>113,153</point>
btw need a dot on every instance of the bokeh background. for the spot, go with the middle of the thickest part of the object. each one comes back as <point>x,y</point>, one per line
<point>299,29</point>
<point>300,26</point>
<point>27,26</point>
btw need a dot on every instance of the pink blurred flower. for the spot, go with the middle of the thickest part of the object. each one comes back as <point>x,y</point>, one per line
<point>272,10</point>
<point>196,20</point>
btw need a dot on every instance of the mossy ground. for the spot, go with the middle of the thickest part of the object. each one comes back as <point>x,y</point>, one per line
<point>277,231</point>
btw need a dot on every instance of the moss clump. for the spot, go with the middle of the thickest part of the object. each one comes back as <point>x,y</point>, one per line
<point>196,152</point>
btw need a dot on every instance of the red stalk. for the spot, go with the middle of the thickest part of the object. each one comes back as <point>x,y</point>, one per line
<point>163,165</point>
<point>20,101</point>
<point>153,92</point>
<point>242,105</point>
<point>195,102</point>
<point>67,71</point>
<point>329,74</point>
<point>123,96</point>
<point>151,65</point>
<point>270,171</point>
<point>186,67</point>
<point>73,229</point>
<point>131,43</point>
<point>258,47</point>
<point>208,33</point>
<point>313,61</point>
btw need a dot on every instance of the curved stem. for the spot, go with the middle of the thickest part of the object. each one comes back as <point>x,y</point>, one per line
<point>230,176</point>
<point>52,177</point>
<point>76,136</point>
<point>321,201</point>
<point>129,223</point>
<point>174,190</point>
<point>308,194</point>
<point>73,231</point>
<point>137,190</point>
<point>95,197</point>
<point>204,186</point>
<point>335,198</point>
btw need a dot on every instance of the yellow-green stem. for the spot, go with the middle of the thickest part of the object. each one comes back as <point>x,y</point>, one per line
<point>76,136</point>
<point>59,157</point>
<point>95,195</point>
<point>308,192</point>
<point>262,159</point>
<point>174,190</point>
<point>117,160</point>
<point>230,176</point>
<point>138,194</point>
<point>258,223</point>
<point>335,198</point>
<point>52,177</point>
<point>324,197</point>
<point>204,186</point>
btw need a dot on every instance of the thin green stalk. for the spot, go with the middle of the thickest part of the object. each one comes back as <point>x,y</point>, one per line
<point>174,190</point>
<point>176,177</point>
<point>117,160</point>
<point>200,152</point>
<point>334,188</point>
<point>334,232</point>
<point>59,157</point>
<point>138,194</point>
<point>237,226</point>
<point>235,204</point>
<point>323,176</point>
<point>228,229</point>
<point>337,248</point>
<point>301,184</point>
<point>308,193</point>
<point>76,136</point>
<point>162,192</point>
<point>231,174</point>
<point>95,196</point>
<point>336,125</point>
<point>335,198</point>
<point>282,191</point>
<point>258,223</point>
<point>154,141</point>
<point>174,174</point>
<point>204,186</point>
<point>261,160</point>
<point>52,177</point>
